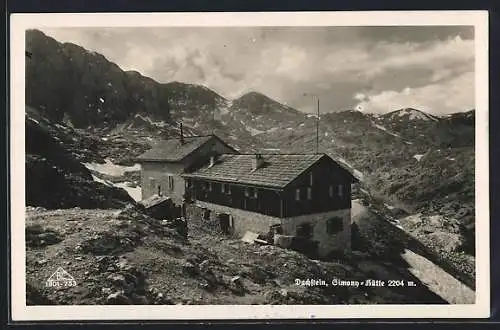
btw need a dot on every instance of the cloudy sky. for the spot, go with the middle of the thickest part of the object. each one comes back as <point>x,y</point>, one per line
<point>373,69</point>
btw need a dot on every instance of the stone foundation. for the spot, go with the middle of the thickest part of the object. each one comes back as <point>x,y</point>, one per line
<point>243,221</point>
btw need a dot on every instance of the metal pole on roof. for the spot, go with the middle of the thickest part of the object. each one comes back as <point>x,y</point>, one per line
<point>317,131</point>
<point>317,120</point>
<point>213,116</point>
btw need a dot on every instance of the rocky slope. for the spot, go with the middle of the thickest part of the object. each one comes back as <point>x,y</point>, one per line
<point>55,178</point>
<point>125,257</point>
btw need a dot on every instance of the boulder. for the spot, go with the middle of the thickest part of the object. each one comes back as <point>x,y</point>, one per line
<point>118,298</point>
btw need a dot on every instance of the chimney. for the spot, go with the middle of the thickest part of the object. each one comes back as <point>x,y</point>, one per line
<point>257,162</point>
<point>212,161</point>
<point>182,134</point>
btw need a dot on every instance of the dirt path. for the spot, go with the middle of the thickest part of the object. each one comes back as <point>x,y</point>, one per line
<point>437,280</point>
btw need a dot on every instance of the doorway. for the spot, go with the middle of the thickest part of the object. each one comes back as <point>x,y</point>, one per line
<point>224,222</point>
<point>305,230</point>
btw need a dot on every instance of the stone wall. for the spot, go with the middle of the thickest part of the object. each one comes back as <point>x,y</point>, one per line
<point>195,213</point>
<point>244,221</point>
<point>340,241</point>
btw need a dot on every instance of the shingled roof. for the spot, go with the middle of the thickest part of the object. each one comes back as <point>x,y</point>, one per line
<point>277,172</point>
<point>173,150</point>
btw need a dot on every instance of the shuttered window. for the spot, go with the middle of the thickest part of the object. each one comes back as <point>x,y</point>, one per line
<point>297,194</point>
<point>309,193</point>
<point>225,188</point>
<point>334,225</point>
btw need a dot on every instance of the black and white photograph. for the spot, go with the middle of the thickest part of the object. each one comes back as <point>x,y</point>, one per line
<point>265,165</point>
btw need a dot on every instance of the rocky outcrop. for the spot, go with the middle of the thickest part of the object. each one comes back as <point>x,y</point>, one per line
<point>68,82</point>
<point>55,179</point>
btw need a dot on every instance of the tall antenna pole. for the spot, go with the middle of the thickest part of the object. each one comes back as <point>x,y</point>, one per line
<point>213,116</point>
<point>317,130</point>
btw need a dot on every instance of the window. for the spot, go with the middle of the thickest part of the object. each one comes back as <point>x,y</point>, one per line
<point>304,230</point>
<point>225,188</point>
<point>251,192</point>
<point>341,192</point>
<point>170,182</point>
<point>309,193</point>
<point>297,194</point>
<point>334,225</point>
<point>210,186</point>
<point>330,191</point>
<point>311,178</point>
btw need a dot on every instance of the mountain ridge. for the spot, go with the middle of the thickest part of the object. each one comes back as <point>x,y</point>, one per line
<point>404,159</point>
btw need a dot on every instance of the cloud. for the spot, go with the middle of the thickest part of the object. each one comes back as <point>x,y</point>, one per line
<point>345,66</point>
<point>434,98</point>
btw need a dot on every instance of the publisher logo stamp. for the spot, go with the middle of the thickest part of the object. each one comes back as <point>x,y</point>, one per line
<point>60,279</point>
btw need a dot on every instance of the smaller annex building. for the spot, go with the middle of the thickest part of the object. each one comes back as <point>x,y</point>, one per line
<point>301,195</point>
<point>163,165</point>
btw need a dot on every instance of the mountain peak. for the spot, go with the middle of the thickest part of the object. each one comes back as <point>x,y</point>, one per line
<point>259,103</point>
<point>254,95</point>
<point>411,114</point>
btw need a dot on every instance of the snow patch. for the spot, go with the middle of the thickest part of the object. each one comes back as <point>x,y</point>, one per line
<point>61,127</point>
<point>415,114</point>
<point>97,179</point>
<point>253,131</point>
<point>380,127</point>
<point>134,192</point>
<point>109,168</point>
<point>390,207</point>
<point>418,157</point>
<point>154,123</point>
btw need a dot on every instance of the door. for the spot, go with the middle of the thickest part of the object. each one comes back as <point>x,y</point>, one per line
<point>224,222</point>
